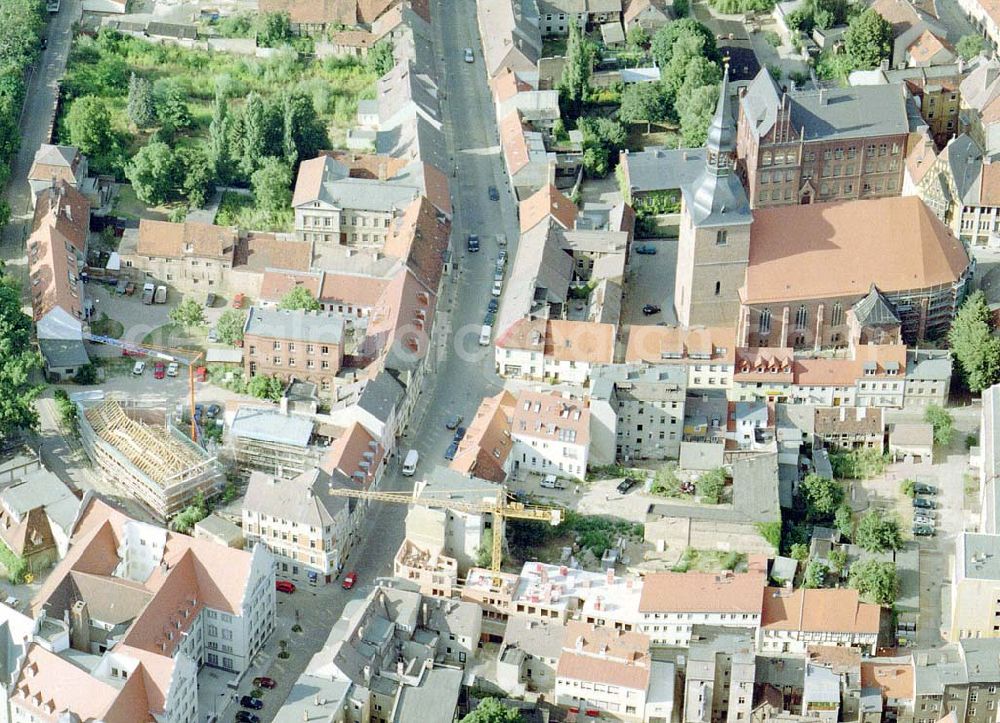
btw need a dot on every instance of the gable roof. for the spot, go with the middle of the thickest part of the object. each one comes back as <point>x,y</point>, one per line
<point>484,449</point>
<point>314,12</point>
<point>547,202</point>
<point>190,238</point>
<point>819,610</point>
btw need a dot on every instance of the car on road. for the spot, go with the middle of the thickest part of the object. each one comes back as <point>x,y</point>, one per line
<point>924,489</point>
<point>498,272</point>
<point>646,250</point>
<point>449,454</point>
<point>459,435</point>
<point>45,42</point>
<point>350,580</point>
<point>473,243</point>
<point>245,716</point>
<point>497,288</point>
<point>139,368</point>
<point>264,682</point>
<point>626,485</point>
<point>238,301</point>
<point>650,309</point>
<point>486,332</point>
<point>502,257</point>
<point>923,520</point>
<point>493,306</point>
<point>52,6</point>
<point>248,701</point>
<point>494,193</point>
<point>469,57</point>
<point>923,531</point>
<point>213,335</point>
<point>159,370</point>
<point>210,301</point>
<point>284,586</point>
<point>453,422</point>
<point>924,503</point>
<point>172,369</point>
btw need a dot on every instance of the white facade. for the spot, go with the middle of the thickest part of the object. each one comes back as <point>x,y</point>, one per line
<point>544,456</point>
<point>796,641</point>
<point>673,629</point>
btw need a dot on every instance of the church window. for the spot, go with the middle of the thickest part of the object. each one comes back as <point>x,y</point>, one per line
<point>765,321</point>
<point>801,316</point>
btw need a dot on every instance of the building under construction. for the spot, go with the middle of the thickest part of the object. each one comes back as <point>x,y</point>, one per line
<point>152,462</point>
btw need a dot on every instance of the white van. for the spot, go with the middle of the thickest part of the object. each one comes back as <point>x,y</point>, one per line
<point>551,482</point>
<point>410,463</point>
<point>485,334</point>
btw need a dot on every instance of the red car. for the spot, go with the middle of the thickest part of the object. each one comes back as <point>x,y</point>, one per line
<point>352,577</point>
<point>238,301</point>
<point>159,370</point>
<point>264,682</point>
<point>284,586</point>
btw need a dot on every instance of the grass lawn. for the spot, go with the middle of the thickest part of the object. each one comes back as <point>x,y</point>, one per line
<point>126,205</point>
<point>553,47</point>
<point>660,136</point>
<point>105,326</point>
<point>103,66</point>
<point>237,209</point>
<point>709,561</point>
<point>176,336</point>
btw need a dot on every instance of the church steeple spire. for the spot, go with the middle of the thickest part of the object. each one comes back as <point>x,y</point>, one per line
<point>721,141</point>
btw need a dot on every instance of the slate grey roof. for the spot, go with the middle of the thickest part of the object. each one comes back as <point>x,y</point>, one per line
<point>50,155</point>
<point>965,165</point>
<point>270,426</point>
<point>304,499</point>
<point>659,169</point>
<point>831,113</point>
<point>875,310</point>
<point>982,659</point>
<point>41,488</point>
<point>63,354</point>
<point>540,275</point>
<point>381,396</point>
<point>538,638</point>
<point>435,699</point>
<point>298,325</point>
<point>928,364</point>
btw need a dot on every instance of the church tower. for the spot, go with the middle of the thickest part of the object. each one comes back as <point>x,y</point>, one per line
<point>714,240</point>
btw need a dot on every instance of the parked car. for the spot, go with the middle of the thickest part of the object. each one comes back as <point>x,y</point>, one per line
<point>52,6</point>
<point>551,482</point>
<point>264,682</point>
<point>923,520</point>
<point>210,300</point>
<point>459,434</point>
<point>248,701</point>
<point>923,531</point>
<point>45,42</point>
<point>650,309</point>
<point>213,411</point>
<point>284,586</point>
<point>626,485</point>
<point>493,306</point>
<point>924,489</point>
<point>494,193</point>
<point>924,503</point>
<point>502,257</point>
<point>129,288</point>
<point>245,716</point>
<point>473,243</point>
<point>139,368</point>
<point>489,319</point>
<point>646,250</point>
<point>449,454</point>
<point>213,335</point>
<point>172,369</point>
<point>469,57</point>
<point>453,422</point>
<point>497,288</point>
<point>238,301</point>
<point>159,370</point>
<point>350,580</point>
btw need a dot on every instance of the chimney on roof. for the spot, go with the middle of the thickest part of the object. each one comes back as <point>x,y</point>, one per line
<point>383,171</point>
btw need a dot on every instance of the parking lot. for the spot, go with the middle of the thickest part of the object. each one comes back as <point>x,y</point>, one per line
<point>650,280</point>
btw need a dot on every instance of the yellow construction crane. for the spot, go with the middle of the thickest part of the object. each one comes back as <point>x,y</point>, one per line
<point>502,507</point>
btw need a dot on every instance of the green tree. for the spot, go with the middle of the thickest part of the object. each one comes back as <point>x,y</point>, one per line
<point>815,574</point>
<point>66,410</point>
<point>662,45</point>
<point>219,140</point>
<point>822,497</point>
<point>843,520</point>
<point>173,109</point>
<point>875,580</point>
<point>941,420</point>
<point>711,485</point>
<point>603,139</point>
<point>230,326</point>
<point>266,388</point>
<point>637,39</point>
<point>194,513</point>
<point>89,124</point>
<point>379,59</point>
<point>972,341</point>
<point>908,487</point>
<point>969,46</point>
<point>272,185</point>
<point>575,80</point>
<point>770,531</point>
<point>838,560</point>
<point>254,134</point>
<point>18,362</point>
<point>643,103</point>
<point>697,115</point>
<point>154,173</point>
<point>878,531</point>
<point>188,313</point>
<point>198,174</point>
<point>303,130</point>
<point>140,107</point>
<point>491,710</point>
<point>299,298</point>
<point>484,553</point>
<point>799,552</point>
<point>273,29</point>
<point>868,40</point>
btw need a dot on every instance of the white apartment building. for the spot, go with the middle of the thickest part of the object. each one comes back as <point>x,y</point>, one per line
<point>551,435</point>
<point>708,352</point>
<point>674,602</point>
<point>559,592</point>
<point>556,349</point>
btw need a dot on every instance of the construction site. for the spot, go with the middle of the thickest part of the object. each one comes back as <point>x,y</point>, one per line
<point>139,451</point>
